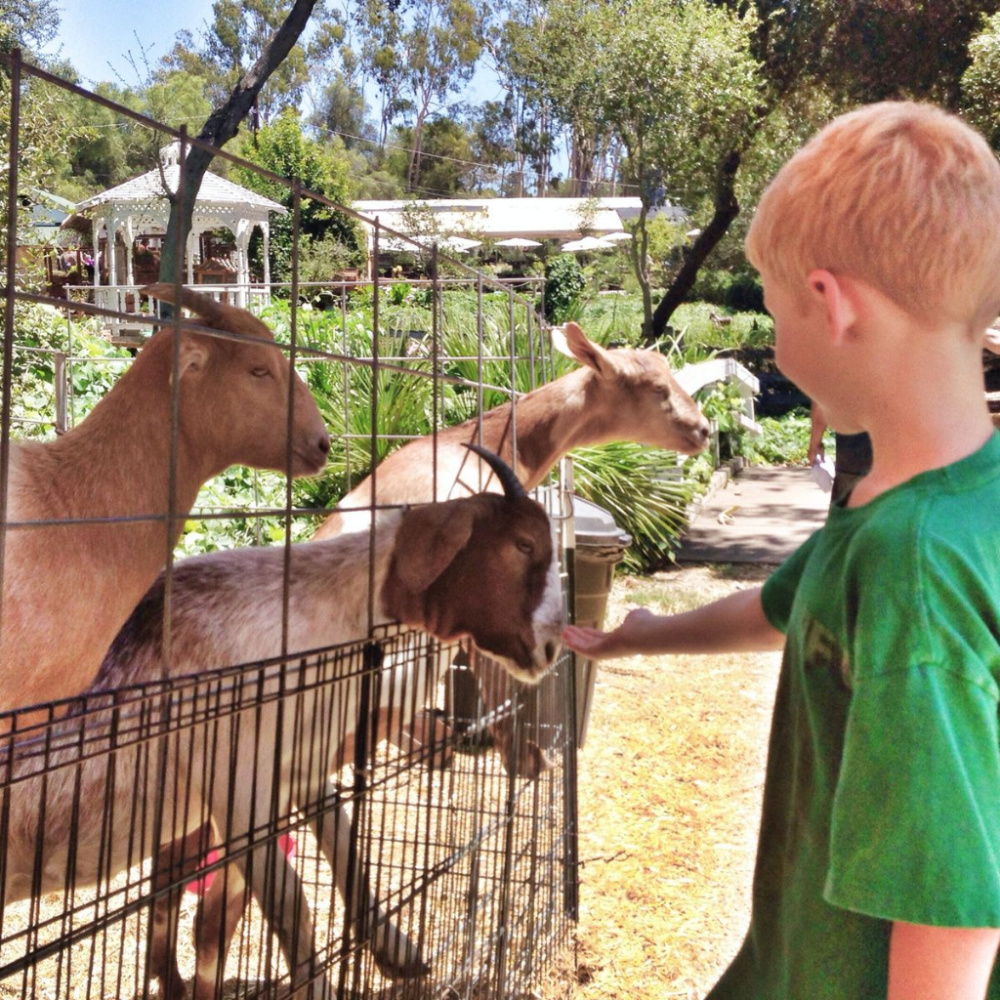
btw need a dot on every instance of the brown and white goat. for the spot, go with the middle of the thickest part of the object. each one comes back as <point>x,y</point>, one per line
<point>481,566</point>
<point>87,515</point>
<point>622,394</point>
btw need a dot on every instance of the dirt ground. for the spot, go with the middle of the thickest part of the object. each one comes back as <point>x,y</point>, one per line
<point>670,786</point>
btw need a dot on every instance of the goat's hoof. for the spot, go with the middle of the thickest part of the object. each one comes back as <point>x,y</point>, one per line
<point>530,761</point>
<point>402,962</point>
<point>409,970</point>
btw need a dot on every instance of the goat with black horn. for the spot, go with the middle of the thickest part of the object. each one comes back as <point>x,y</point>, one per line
<point>482,567</point>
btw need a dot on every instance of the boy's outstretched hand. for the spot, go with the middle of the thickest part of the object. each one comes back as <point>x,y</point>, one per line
<point>732,624</point>
<point>623,641</point>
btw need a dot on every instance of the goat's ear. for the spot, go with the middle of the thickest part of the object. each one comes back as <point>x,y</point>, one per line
<point>583,350</point>
<point>193,355</point>
<point>209,312</point>
<point>428,540</point>
<point>559,341</point>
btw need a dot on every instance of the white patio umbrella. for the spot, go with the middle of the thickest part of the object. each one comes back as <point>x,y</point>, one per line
<point>458,244</point>
<point>616,237</point>
<point>587,243</point>
<point>518,241</point>
<point>453,244</point>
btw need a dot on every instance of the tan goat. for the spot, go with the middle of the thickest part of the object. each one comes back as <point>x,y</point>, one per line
<point>481,566</point>
<point>87,514</point>
<point>618,395</point>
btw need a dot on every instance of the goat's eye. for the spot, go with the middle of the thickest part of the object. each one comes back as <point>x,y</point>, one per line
<point>260,371</point>
<point>523,545</point>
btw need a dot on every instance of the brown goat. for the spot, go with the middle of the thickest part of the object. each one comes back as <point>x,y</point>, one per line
<point>87,517</point>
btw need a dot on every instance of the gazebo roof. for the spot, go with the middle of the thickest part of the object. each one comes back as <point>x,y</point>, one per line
<point>141,206</point>
<point>215,190</point>
<point>215,194</point>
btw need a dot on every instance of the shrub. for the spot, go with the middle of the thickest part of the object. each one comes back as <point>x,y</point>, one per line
<point>741,291</point>
<point>745,293</point>
<point>564,283</point>
<point>39,332</point>
<point>322,257</point>
<point>785,440</point>
<point>711,285</point>
<point>637,486</point>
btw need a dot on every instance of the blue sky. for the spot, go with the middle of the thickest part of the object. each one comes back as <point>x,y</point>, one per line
<point>94,33</point>
<point>96,36</point>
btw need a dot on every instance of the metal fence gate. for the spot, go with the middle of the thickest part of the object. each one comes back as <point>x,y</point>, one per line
<point>473,863</point>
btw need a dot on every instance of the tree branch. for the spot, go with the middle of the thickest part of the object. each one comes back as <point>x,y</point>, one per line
<point>222,125</point>
<point>727,207</point>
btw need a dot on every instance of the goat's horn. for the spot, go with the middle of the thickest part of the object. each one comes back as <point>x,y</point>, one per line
<point>508,479</point>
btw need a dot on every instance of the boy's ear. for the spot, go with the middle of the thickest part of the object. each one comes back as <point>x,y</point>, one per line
<point>837,300</point>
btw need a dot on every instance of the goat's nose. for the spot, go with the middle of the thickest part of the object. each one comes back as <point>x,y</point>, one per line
<point>551,650</point>
<point>324,444</point>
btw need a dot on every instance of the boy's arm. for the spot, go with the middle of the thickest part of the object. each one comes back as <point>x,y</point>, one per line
<point>735,624</point>
<point>940,963</point>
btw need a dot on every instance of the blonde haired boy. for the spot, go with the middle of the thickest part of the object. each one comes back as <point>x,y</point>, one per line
<point>878,866</point>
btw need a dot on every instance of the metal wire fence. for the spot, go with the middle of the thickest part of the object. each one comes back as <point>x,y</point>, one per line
<point>333,820</point>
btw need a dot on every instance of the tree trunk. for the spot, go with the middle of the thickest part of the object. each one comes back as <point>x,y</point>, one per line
<point>416,155</point>
<point>581,164</point>
<point>221,126</point>
<point>727,207</point>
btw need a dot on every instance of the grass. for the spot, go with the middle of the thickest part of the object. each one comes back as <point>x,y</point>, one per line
<point>620,318</point>
<point>670,785</point>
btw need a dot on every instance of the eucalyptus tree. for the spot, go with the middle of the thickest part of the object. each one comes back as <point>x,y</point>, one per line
<point>28,24</point>
<point>492,150</point>
<point>571,77</point>
<point>514,45</point>
<point>447,166</point>
<point>441,50</point>
<point>680,88</point>
<point>818,58</point>
<point>423,55</point>
<point>236,38</point>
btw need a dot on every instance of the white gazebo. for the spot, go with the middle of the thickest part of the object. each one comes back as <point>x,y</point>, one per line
<point>140,206</point>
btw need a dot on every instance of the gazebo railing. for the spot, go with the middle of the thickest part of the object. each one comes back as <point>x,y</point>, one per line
<point>130,303</point>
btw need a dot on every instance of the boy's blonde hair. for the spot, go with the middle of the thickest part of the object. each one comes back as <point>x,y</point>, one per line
<point>904,196</point>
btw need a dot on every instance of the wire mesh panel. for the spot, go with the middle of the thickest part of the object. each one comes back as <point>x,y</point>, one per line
<point>385,816</point>
<point>469,862</point>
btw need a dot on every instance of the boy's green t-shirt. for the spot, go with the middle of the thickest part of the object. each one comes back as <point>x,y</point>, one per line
<point>882,794</point>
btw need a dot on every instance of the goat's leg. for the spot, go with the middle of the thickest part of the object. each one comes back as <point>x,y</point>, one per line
<point>424,737</point>
<point>405,718</point>
<point>175,863</point>
<point>278,890</point>
<point>521,756</point>
<point>219,911</point>
<point>396,956</point>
